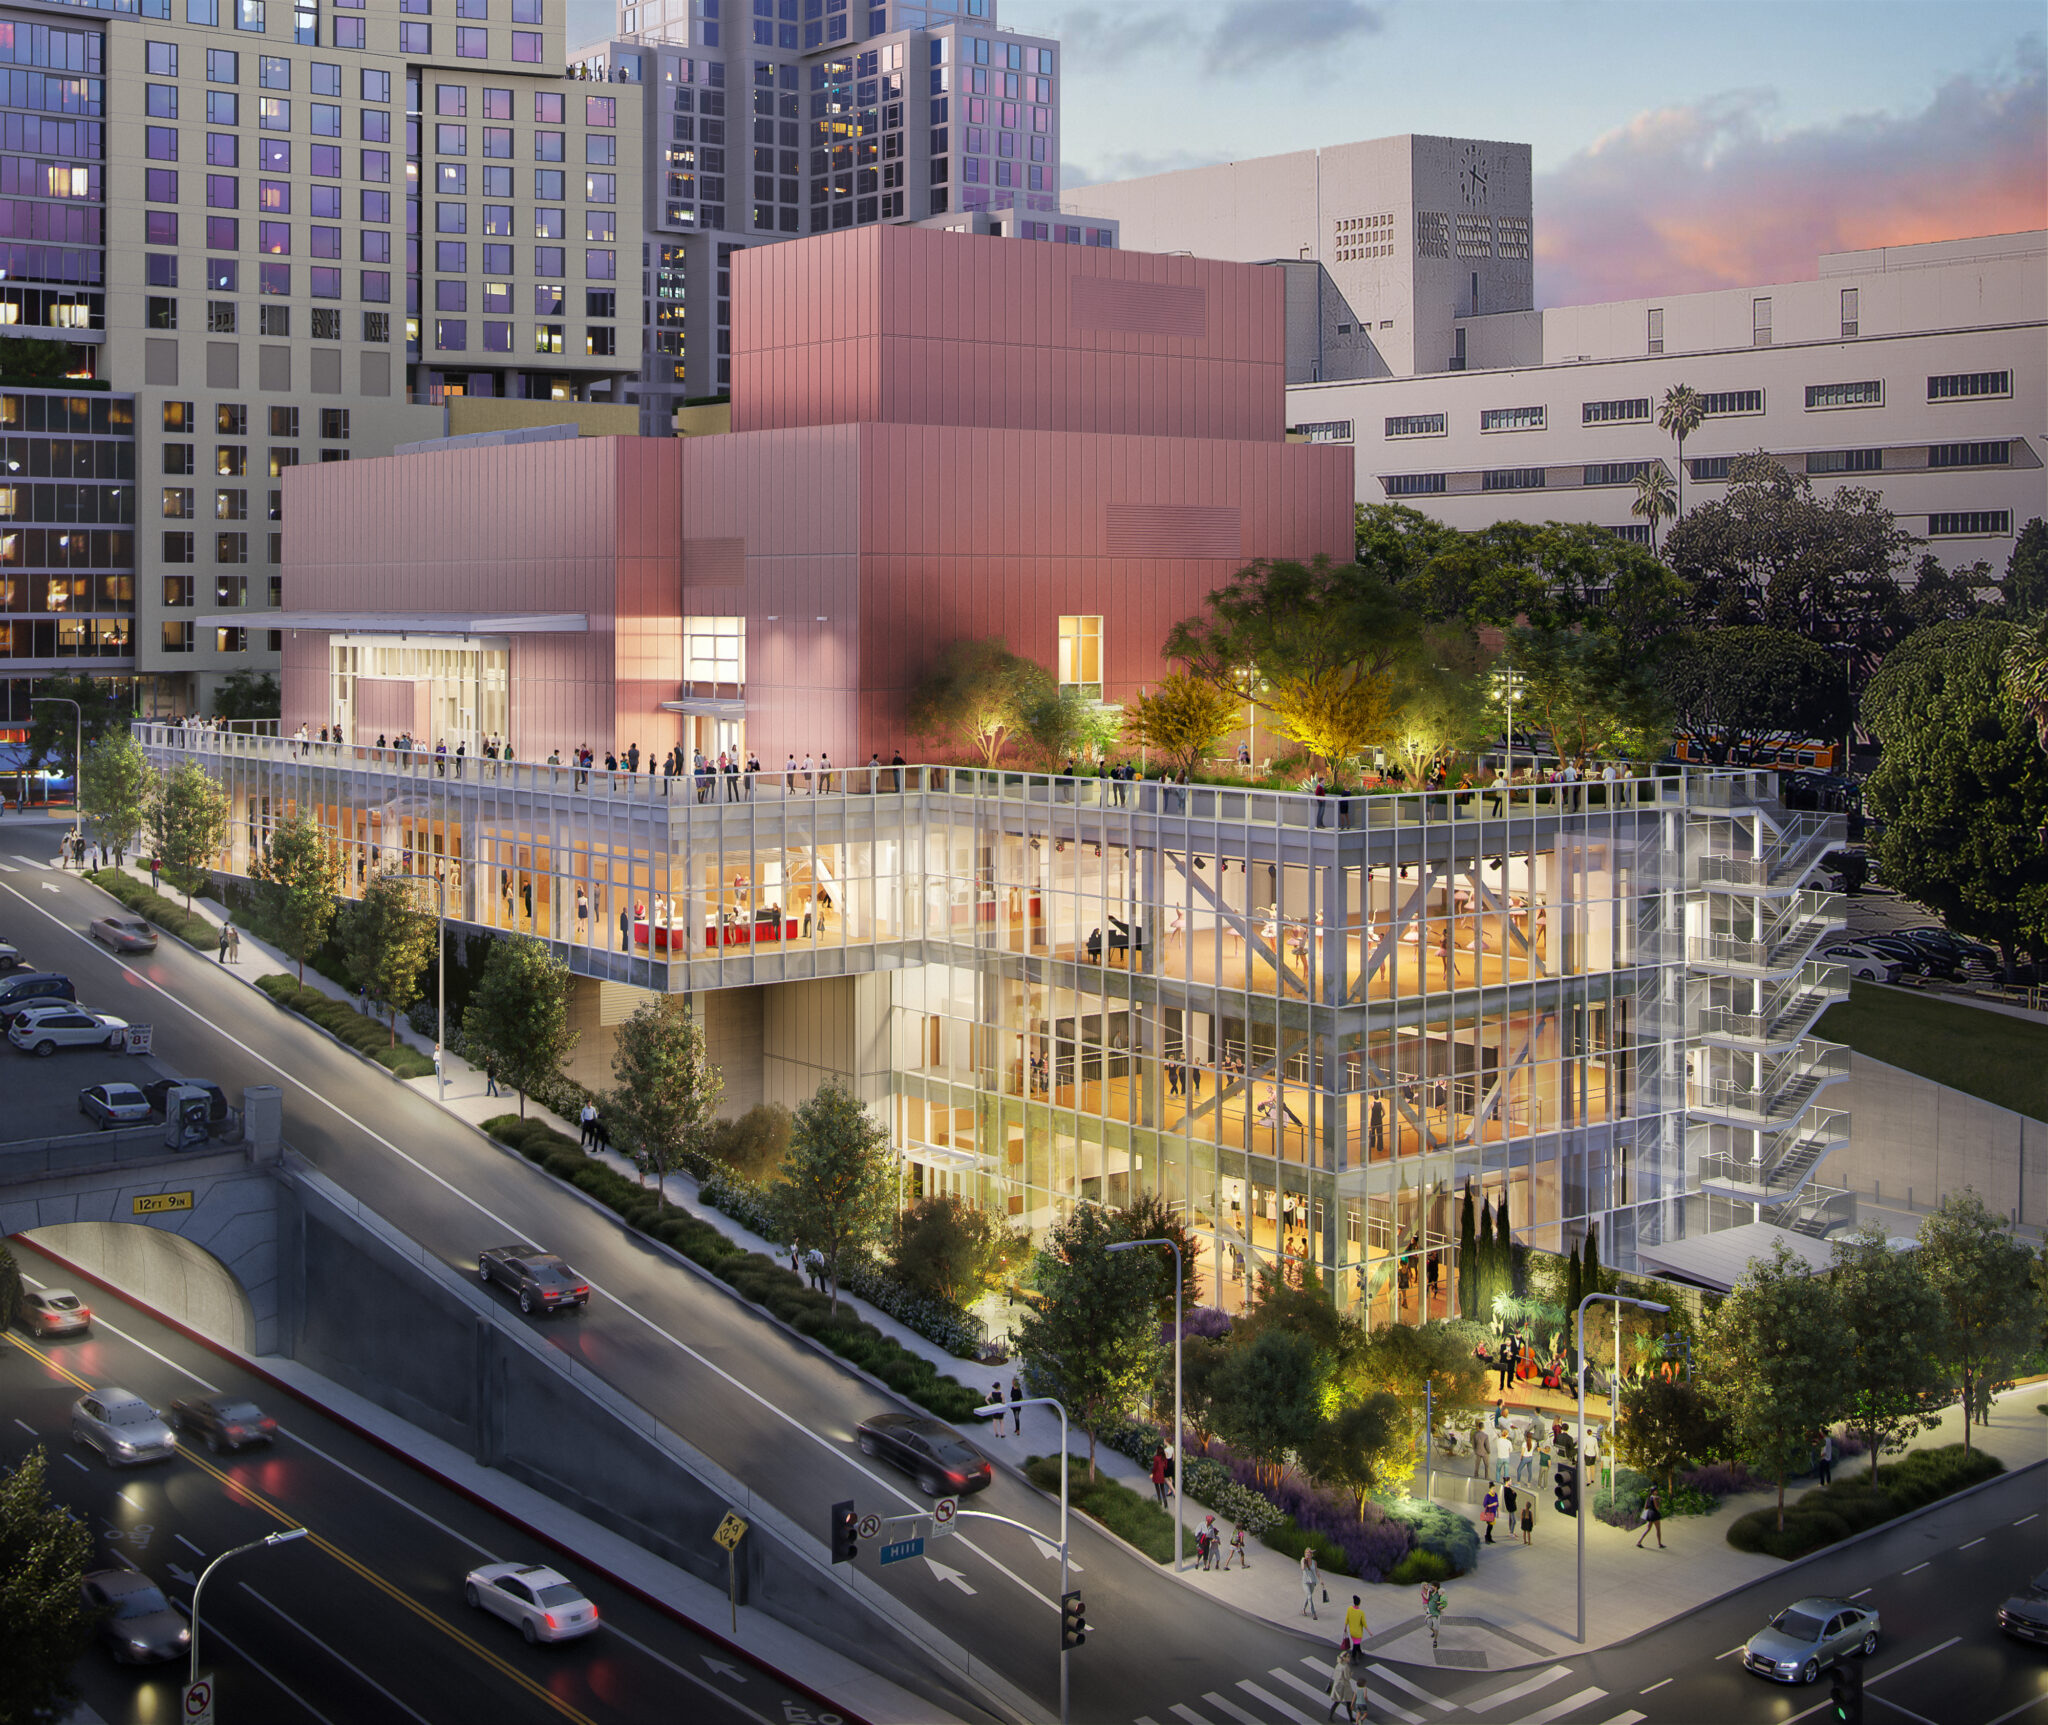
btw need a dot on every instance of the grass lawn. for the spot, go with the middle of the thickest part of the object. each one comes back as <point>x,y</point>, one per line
<point>1986,1054</point>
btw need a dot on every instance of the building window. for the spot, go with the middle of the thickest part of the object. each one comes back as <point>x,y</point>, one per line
<point>1725,403</point>
<point>178,547</point>
<point>1710,466</point>
<point>231,592</point>
<point>177,503</point>
<point>1511,419</point>
<point>1636,533</point>
<point>334,422</point>
<point>231,504</point>
<point>1615,412</point>
<point>1825,395</point>
<point>1970,455</point>
<point>163,313</point>
<point>1969,523</point>
<point>1323,431</point>
<point>178,458</point>
<point>179,591</point>
<point>715,650</point>
<point>1512,479</point>
<point>1851,298</point>
<point>1412,484</point>
<point>1656,329</point>
<point>1616,472</point>
<point>1759,323</point>
<point>178,637</point>
<point>231,640</point>
<point>1419,425</point>
<point>1080,652</point>
<point>1959,386</point>
<point>274,320</point>
<point>231,548</point>
<point>1845,461</point>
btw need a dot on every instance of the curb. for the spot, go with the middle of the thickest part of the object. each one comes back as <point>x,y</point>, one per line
<point>249,1365</point>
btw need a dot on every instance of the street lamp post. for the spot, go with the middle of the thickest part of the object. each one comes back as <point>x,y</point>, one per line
<point>77,756</point>
<point>198,1587</point>
<point>996,1411</point>
<point>440,974</point>
<point>1179,1511</point>
<point>1613,1403</point>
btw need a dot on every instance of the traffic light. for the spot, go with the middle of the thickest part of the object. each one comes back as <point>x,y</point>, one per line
<point>1567,1488</point>
<point>1073,1621</point>
<point>1845,1693</point>
<point>845,1548</point>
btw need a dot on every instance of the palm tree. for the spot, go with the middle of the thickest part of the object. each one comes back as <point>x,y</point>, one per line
<point>1655,499</point>
<point>1680,413</point>
<point>2026,675</point>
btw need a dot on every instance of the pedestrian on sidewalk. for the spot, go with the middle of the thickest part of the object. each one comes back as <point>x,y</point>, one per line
<point>1016,1405</point>
<point>1433,1608</point>
<point>1525,1464</point>
<point>1158,1472</point>
<point>1653,1520</point>
<point>1237,1549</point>
<point>234,944</point>
<point>995,1400</point>
<point>1510,1499</point>
<point>1354,1623</point>
<point>1827,1457</point>
<point>1206,1542</point>
<point>588,1118</point>
<point>155,870</point>
<point>1344,1685</point>
<point>1528,1521</point>
<point>1310,1581</point>
<point>437,1064</point>
<point>221,957</point>
<point>1490,1512</point>
<point>1503,1451</point>
<point>491,1076</point>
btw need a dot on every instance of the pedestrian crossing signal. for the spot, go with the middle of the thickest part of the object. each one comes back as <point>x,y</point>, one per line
<point>1073,1621</point>
<point>845,1547</point>
<point>1845,1694</point>
<point>1568,1489</point>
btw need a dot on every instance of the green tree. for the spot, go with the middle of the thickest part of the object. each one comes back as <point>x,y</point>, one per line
<point>1592,693</point>
<point>28,360</point>
<point>1656,499</point>
<point>838,1189</point>
<point>975,693</point>
<point>1366,1446</point>
<point>668,1091</point>
<point>114,791</point>
<point>1743,689</point>
<point>1150,1217</point>
<point>1983,1281</point>
<point>1962,787</point>
<point>387,940</point>
<point>1091,1334</point>
<point>1489,1282</point>
<point>10,1290</point>
<point>247,695</point>
<point>1059,725</point>
<point>1774,1364</point>
<point>1280,619</point>
<point>755,1145</point>
<point>1594,1279</point>
<point>1334,714</point>
<point>104,707</point>
<point>1896,1386</point>
<point>189,816</point>
<point>2025,587</point>
<point>1181,720</point>
<point>1680,414</point>
<point>1469,1272</point>
<point>518,1014</point>
<point>1403,1358</point>
<point>1302,1309</point>
<point>1439,695</point>
<point>45,1623</point>
<point>1667,1423</point>
<point>1268,1399</point>
<point>2025,665</point>
<point>303,871</point>
<point>1395,543</point>
<point>954,1251</point>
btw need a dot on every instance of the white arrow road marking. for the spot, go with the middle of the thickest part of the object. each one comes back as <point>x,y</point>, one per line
<point>941,1572</point>
<point>51,886</point>
<point>719,1668</point>
<point>1046,1548</point>
<point>183,1577</point>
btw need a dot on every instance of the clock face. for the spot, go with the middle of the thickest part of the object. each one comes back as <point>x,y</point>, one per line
<point>1473,176</point>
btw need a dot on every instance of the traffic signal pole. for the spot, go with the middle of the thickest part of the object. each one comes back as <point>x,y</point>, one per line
<point>994,1412</point>
<point>1613,1402</point>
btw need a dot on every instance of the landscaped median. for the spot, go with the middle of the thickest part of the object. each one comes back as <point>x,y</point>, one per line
<point>365,1035</point>
<point>754,1274</point>
<point>1853,1504</point>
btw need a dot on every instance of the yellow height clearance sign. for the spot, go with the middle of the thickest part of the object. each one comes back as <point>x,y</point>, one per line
<point>161,1203</point>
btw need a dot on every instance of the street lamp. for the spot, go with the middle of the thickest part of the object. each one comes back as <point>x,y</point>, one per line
<point>1613,1404</point>
<point>1508,684</point>
<point>1179,1510</point>
<point>77,757</point>
<point>269,1539</point>
<point>996,1410</point>
<point>440,973</point>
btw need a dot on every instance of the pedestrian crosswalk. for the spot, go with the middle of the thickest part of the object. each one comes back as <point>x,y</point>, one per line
<point>27,862</point>
<point>1284,1696</point>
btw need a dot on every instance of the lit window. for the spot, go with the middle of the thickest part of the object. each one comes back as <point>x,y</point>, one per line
<point>1080,651</point>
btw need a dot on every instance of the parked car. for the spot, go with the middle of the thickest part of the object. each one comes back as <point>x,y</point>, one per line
<point>1915,960</point>
<point>1807,1637</point>
<point>55,1312</point>
<point>123,1427</point>
<point>113,1104</point>
<point>538,1278</point>
<point>1954,948</point>
<point>10,956</point>
<point>1852,864</point>
<point>545,1604</point>
<point>941,1461</point>
<point>1865,963</point>
<point>139,1627</point>
<point>223,1422</point>
<point>2025,1615</point>
<point>217,1110</point>
<point>45,1029</point>
<point>35,988</point>
<point>122,932</point>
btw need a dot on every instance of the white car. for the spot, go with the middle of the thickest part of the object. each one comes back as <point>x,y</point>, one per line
<point>114,1104</point>
<point>546,1604</point>
<point>123,1427</point>
<point>45,1029</point>
<point>1864,963</point>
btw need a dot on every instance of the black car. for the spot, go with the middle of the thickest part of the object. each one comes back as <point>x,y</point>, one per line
<point>1906,954</point>
<point>943,1463</point>
<point>224,1422</point>
<point>217,1109</point>
<point>538,1278</point>
<point>1951,947</point>
<point>32,988</point>
<point>2025,1615</point>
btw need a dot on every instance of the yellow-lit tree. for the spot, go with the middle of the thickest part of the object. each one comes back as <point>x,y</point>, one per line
<point>1335,713</point>
<point>1182,720</point>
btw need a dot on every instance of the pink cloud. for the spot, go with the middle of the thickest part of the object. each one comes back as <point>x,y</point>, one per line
<point>1689,198</point>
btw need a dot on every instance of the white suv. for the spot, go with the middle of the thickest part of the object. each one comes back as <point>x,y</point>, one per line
<point>45,1029</point>
<point>123,1427</point>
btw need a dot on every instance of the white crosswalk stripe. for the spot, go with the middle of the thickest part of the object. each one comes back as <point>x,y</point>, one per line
<point>31,861</point>
<point>1388,1675</point>
<point>1516,1691</point>
<point>1631,1717</point>
<point>1558,1709</point>
<point>1223,1706</point>
<point>1322,1696</point>
<point>1188,1714</point>
<point>1273,1701</point>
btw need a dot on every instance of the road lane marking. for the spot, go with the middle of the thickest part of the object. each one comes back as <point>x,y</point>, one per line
<point>189,1546</point>
<point>1915,1570</point>
<point>345,1664</point>
<point>1231,1707</point>
<point>1866,1591</point>
<point>1918,1718</point>
<point>1731,1650</point>
<point>25,1426</point>
<point>276,1681</point>
<point>75,1462</point>
<point>1631,1717</point>
<point>1659,1684</point>
<point>1515,1692</point>
<point>1915,1660</point>
<point>1558,1709</point>
<point>1188,1714</point>
<point>1387,1674</point>
<point>2022,1522</point>
<point>2023,1707</point>
<point>1321,1696</point>
<point>795,1425</point>
<point>30,861</point>
<point>1978,1541</point>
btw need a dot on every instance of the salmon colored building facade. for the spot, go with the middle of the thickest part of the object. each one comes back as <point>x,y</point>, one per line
<point>935,435</point>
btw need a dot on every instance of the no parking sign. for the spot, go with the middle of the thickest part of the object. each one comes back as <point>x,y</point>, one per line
<point>198,1709</point>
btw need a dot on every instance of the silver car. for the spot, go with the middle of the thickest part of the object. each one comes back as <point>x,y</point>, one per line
<point>114,1104</point>
<point>55,1312</point>
<point>139,1627</point>
<point>123,933</point>
<point>1807,1637</point>
<point>546,1604</point>
<point>123,1427</point>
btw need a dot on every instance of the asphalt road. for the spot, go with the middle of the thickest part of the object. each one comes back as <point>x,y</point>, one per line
<point>363,1620</point>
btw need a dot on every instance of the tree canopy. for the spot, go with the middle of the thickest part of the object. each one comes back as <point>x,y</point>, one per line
<point>518,1015</point>
<point>1743,689</point>
<point>303,873</point>
<point>976,694</point>
<point>189,816</point>
<point>1181,720</point>
<point>104,707</point>
<point>388,941</point>
<point>45,1623</point>
<point>668,1092</point>
<point>114,791</point>
<point>1990,1312</point>
<point>1592,693</point>
<point>838,1188</point>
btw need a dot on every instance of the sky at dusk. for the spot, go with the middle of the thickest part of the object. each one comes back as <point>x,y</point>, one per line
<point>1679,144</point>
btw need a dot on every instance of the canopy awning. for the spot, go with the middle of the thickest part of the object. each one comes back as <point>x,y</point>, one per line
<point>1717,1260</point>
<point>413,622</point>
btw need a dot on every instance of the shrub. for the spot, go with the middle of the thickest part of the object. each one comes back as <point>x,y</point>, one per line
<point>194,931</point>
<point>1290,1539</point>
<point>1851,1505</point>
<point>365,1035</point>
<point>754,1145</point>
<point>1434,1528</point>
<point>1246,1508</point>
<point>1719,1479</point>
<point>1422,1565</point>
<point>1124,1512</point>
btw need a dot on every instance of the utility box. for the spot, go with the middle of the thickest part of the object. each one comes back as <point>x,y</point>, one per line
<point>263,1121</point>
<point>187,1109</point>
